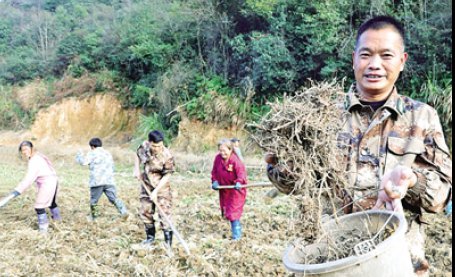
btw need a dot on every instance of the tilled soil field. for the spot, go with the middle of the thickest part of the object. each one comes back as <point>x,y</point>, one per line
<point>110,246</point>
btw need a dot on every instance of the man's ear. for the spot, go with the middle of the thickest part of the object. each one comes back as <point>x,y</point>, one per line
<point>353,56</point>
<point>404,58</point>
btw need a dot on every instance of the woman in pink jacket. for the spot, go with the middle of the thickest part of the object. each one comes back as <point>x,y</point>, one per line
<point>229,170</point>
<point>41,171</point>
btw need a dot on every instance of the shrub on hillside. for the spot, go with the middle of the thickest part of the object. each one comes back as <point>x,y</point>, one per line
<point>12,115</point>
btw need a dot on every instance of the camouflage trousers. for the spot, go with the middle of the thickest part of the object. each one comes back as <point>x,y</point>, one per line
<point>148,207</point>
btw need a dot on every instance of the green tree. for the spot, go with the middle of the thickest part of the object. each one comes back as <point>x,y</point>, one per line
<point>266,59</point>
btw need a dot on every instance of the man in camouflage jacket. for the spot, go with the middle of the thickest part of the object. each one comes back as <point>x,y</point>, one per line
<point>394,146</point>
<point>154,164</point>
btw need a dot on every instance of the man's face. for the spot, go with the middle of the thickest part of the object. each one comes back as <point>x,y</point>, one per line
<point>156,148</point>
<point>377,62</point>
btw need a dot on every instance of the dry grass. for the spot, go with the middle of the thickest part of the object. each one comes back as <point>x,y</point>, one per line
<point>197,137</point>
<point>108,247</point>
<point>33,95</point>
<point>85,85</point>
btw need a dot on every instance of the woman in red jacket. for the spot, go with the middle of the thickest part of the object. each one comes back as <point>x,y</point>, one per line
<point>228,170</point>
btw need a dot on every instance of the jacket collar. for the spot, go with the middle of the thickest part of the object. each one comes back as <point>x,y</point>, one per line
<point>394,103</point>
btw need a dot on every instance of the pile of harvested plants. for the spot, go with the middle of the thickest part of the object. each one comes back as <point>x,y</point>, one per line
<point>302,130</point>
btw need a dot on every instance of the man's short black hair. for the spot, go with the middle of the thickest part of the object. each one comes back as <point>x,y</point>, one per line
<point>156,136</point>
<point>378,23</point>
<point>95,142</point>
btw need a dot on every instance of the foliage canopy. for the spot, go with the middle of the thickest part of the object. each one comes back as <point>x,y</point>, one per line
<point>161,50</point>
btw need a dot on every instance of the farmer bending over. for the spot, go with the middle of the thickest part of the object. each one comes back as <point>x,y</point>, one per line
<point>229,170</point>
<point>102,180</point>
<point>41,171</point>
<point>154,165</point>
<point>391,142</point>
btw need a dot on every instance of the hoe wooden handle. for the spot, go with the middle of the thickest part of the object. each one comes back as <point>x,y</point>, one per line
<point>164,216</point>
<point>253,185</point>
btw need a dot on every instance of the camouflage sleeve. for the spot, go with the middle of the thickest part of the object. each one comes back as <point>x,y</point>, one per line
<point>434,173</point>
<point>141,153</point>
<point>277,175</point>
<point>169,165</point>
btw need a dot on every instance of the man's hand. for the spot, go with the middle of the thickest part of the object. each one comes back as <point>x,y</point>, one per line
<point>271,158</point>
<point>238,186</point>
<point>137,170</point>
<point>154,196</point>
<point>137,174</point>
<point>394,186</point>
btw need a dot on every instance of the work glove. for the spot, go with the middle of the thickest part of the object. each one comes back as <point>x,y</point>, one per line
<point>238,186</point>
<point>215,185</point>
<point>448,209</point>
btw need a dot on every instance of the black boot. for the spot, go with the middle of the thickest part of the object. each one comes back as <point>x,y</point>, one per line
<point>168,237</point>
<point>150,232</point>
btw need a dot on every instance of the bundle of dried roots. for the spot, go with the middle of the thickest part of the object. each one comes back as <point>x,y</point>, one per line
<point>302,131</point>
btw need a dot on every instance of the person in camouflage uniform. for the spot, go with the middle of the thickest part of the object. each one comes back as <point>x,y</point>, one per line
<point>393,145</point>
<point>154,164</point>
<point>102,179</point>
